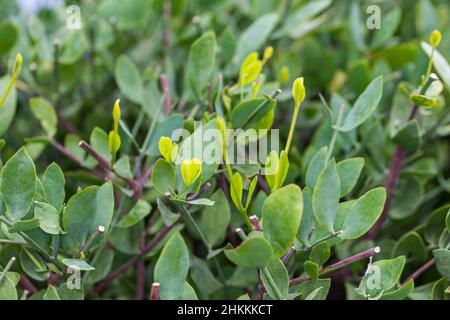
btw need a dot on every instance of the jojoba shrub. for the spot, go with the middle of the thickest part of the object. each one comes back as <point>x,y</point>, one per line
<point>173,149</point>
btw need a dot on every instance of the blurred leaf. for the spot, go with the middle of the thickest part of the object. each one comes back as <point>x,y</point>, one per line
<point>172,268</point>
<point>349,171</point>
<point>140,210</point>
<point>128,79</point>
<point>282,213</point>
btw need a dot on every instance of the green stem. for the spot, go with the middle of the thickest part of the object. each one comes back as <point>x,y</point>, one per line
<point>8,89</point>
<point>336,132</point>
<point>196,226</point>
<point>272,283</point>
<point>152,127</point>
<point>7,268</point>
<point>429,67</point>
<point>328,237</point>
<point>292,128</point>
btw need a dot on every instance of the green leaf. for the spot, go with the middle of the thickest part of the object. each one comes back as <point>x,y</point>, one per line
<point>86,211</point>
<point>164,129</point>
<point>282,213</point>
<point>380,277</point>
<point>391,20</point>
<point>99,141</point>
<point>255,35</point>
<point>102,268</point>
<point>188,293</point>
<point>408,137</point>
<point>307,217</point>
<point>203,277</point>
<point>7,290</point>
<point>201,62</point>
<point>411,246</point>
<point>76,264</point>
<point>439,62</point>
<point>33,265</point>
<point>253,252</point>
<point>140,210</point>
<point>51,294</point>
<point>401,293</point>
<point>442,257</point>
<point>131,14</point>
<point>236,190</point>
<point>9,33</point>
<point>172,268</point>
<point>320,253</point>
<point>278,280</point>
<point>48,217</point>
<point>248,113</point>
<point>349,171</point>
<point>305,289</point>
<point>53,182</point>
<point>312,269</point>
<point>315,167</point>
<point>364,213</point>
<point>447,221</point>
<point>164,176</point>
<point>365,105</point>
<point>70,294</point>
<point>8,110</point>
<point>214,220</point>
<point>18,184</point>
<point>24,225</point>
<point>167,215</point>
<point>123,168</point>
<point>45,113</point>
<point>128,79</point>
<point>407,197</point>
<point>326,196</point>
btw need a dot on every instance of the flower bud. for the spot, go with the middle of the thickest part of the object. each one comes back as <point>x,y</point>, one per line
<point>17,66</point>
<point>435,38</point>
<point>298,91</point>
<point>116,114</point>
<point>191,170</point>
<point>168,149</point>
<point>284,74</point>
<point>268,52</point>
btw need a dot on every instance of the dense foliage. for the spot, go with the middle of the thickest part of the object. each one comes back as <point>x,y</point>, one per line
<point>99,200</point>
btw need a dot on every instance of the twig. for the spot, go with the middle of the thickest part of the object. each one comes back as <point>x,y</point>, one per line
<point>89,149</point>
<point>154,294</point>
<point>130,263</point>
<point>26,284</point>
<point>419,271</point>
<point>359,256</point>
<point>390,183</point>
<point>167,104</point>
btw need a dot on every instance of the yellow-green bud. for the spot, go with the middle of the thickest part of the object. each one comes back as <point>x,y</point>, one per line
<point>116,114</point>
<point>191,170</point>
<point>17,66</point>
<point>268,52</point>
<point>168,149</point>
<point>298,91</point>
<point>114,142</point>
<point>435,38</point>
<point>284,74</point>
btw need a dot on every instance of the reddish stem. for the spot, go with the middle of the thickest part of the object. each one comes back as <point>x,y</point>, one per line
<point>164,81</point>
<point>154,294</point>
<point>26,284</point>
<point>390,183</point>
<point>89,149</point>
<point>419,271</point>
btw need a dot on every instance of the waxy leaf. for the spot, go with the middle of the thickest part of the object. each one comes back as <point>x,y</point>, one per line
<point>307,217</point>
<point>442,257</point>
<point>380,277</point>
<point>364,213</point>
<point>8,110</point>
<point>326,196</point>
<point>282,213</point>
<point>365,105</point>
<point>45,113</point>
<point>275,279</point>
<point>214,220</point>
<point>255,35</point>
<point>128,79</point>
<point>401,293</point>
<point>48,217</point>
<point>163,176</point>
<point>86,211</point>
<point>253,252</point>
<point>18,184</point>
<point>172,268</point>
<point>76,264</point>
<point>201,62</point>
<point>140,210</point>
<point>53,183</point>
<point>349,171</point>
<point>315,167</point>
